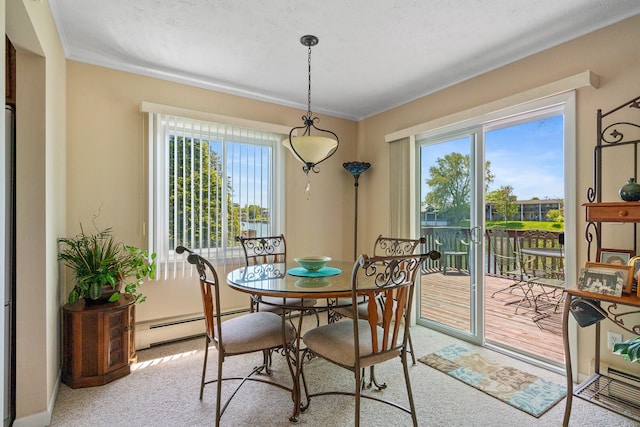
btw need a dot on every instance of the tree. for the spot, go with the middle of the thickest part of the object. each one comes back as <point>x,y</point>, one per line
<point>254,212</point>
<point>196,196</point>
<point>504,202</point>
<point>556,215</point>
<point>450,184</point>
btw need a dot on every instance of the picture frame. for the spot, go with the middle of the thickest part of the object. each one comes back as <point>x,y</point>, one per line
<point>607,279</point>
<point>598,282</point>
<point>635,263</point>
<point>606,256</point>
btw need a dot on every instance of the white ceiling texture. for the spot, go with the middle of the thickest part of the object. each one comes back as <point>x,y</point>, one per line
<point>372,56</point>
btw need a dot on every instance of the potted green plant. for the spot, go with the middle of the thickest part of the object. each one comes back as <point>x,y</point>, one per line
<point>629,349</point>
<point>102,266</point>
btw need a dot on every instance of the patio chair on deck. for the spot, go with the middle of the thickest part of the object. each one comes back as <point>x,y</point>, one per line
<point>542,266</point>
<point>453,244</point>
<point>504,258</point>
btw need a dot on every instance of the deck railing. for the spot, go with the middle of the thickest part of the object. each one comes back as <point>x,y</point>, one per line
<point>458,234</point>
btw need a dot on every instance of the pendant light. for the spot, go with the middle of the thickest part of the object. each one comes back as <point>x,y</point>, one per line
<point>309,149</point>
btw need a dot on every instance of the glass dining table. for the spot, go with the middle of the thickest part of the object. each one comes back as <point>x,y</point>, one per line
<point>289,281</point>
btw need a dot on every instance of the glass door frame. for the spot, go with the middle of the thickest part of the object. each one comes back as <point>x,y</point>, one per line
<point>566,105</point>
<point>476,219</point>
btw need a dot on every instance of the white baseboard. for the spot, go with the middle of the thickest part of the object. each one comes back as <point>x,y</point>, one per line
<point>175,328</point>
<point>166,330</point>
<point>43,418</point>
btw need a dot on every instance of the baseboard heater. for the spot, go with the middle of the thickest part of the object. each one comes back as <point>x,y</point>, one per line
<point>614,389</point>
<point>617,374</point>
<point>623,376</point>
<point>174,329</point>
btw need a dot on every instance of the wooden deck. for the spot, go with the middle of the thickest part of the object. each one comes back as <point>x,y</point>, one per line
<point>445,299</point>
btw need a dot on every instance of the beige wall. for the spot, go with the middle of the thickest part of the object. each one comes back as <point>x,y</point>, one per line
<point>40,180</point>
<point>107,172</point>
<point>613,53</point>
<point>105,164</point>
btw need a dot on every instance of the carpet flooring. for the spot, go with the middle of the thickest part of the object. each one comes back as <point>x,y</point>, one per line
<point>520,389</point>
<point>163,387</point>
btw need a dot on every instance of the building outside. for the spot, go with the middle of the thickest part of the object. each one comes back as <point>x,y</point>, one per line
<point>528,210</point>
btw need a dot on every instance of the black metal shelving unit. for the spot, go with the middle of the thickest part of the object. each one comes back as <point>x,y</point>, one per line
<point>618,392</point>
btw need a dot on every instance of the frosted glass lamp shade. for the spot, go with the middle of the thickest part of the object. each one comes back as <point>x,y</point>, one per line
<point>311,149</point>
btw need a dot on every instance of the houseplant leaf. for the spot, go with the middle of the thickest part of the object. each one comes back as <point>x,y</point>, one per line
<point>102,264</point>
<point>629,349</point>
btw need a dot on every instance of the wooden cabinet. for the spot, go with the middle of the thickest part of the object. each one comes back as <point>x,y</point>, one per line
<point>98,342</point>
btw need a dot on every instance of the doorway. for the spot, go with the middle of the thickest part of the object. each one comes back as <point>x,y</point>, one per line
<point>508,171</point>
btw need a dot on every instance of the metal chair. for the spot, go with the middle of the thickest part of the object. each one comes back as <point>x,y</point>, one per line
<point>542,268</point>
<point>359,343</point>
<point>384,246</point>
<point>394,246</point>
<point>505,259</point>
<point>272,249</point>
<point>249,333</point>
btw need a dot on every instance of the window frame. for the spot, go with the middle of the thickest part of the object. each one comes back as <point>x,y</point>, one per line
<point>158,159</point>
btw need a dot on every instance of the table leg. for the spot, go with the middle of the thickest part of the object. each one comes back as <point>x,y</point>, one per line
<point>567,360</point>
<point>332,316</point>
<point>292,353</point>
<point>527,289</point>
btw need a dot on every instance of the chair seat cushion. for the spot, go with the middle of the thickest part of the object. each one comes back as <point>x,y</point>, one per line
<point>253,332</point>
<point>335,342</point>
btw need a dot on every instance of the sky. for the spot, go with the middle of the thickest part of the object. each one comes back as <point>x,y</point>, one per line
<point>528,157</point>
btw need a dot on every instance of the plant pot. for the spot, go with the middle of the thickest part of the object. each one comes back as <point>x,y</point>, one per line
<point>107,292</point>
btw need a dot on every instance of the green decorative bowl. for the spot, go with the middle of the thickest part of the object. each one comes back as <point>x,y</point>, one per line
<point>313,263</point>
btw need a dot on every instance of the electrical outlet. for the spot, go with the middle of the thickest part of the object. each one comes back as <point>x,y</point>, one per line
<point>613,338</point>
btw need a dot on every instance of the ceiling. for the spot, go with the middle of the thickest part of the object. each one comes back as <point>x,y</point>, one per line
<point>372,56</point>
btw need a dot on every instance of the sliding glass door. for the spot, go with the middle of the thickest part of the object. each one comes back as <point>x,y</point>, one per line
<point>506,170</point>
<point>448,219</point>
<point>526,194</point>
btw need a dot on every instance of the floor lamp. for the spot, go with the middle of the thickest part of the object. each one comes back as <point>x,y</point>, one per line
<point>355,169</point>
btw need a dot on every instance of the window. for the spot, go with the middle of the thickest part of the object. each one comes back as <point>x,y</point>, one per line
<point>209,183</point>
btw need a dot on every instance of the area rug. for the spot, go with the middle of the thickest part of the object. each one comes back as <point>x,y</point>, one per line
<point>527,392</point>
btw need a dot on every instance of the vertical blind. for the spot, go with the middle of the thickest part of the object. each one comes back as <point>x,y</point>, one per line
<point>210,182</point>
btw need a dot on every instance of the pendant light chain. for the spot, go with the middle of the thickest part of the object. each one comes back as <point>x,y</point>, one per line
<point>309,90</point>
<point>307,187</point>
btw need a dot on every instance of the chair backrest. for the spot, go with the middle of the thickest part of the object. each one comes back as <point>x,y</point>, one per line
<point>388,283</point>
<point>210,292</point>
<point>502,250</point>
<point>389,246</point>
<point>262,250</point>
<point>539,265</point>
